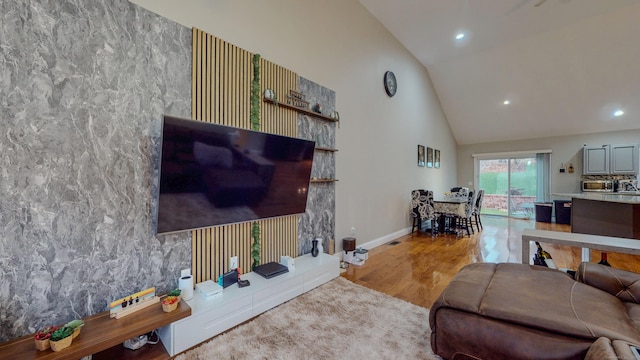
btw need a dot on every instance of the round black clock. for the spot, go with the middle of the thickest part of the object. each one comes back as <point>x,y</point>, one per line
<point>390,84</point>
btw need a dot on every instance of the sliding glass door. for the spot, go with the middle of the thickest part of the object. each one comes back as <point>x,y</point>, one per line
<point>512,184</point>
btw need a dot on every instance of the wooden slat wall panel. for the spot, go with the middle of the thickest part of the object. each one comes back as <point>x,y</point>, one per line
<point>221,93</point>
<point>278,120</point>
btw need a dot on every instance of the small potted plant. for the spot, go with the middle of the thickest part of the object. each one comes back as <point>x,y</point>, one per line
<point>177,293</point>
<point>76,325</point>
<point>170,303</point>
<point>61,338</point>
<point>42,337</point>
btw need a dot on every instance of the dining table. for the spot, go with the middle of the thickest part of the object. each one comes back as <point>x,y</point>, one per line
<point>449,207</point>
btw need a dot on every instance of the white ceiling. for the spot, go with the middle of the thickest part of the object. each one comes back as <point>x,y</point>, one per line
<point>566,65</point>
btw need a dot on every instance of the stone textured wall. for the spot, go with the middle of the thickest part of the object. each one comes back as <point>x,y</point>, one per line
<point>83,86</point>
<point>319,219</point>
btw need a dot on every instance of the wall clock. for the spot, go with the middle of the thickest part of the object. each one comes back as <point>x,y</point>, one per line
<point>390,83</point>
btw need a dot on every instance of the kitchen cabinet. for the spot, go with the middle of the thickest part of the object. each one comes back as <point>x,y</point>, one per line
<point>610,159</point>
<point>606,218</point>
<point>624,159</point>
<point>595,160</point>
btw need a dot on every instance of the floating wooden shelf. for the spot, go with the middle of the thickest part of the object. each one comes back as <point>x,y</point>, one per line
<point>323,180</point>
<point>325,149</point>
<point>101,333</point>
<point>301,110</point>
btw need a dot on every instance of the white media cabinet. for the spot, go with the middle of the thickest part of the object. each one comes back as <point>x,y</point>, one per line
<point>212,316</point>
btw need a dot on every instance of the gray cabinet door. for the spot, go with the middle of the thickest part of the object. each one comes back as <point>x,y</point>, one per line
<point>624,159</point>
<point>595,160</point>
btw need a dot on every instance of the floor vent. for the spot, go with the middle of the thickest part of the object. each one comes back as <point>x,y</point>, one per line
<point>394,243</point>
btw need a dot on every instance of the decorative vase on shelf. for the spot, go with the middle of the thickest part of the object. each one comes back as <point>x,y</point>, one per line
<point>320,247</point>
<point>61,344</point>
<point>42,344</point>
<point>42,337</point>
<point>61,338</point>
<point>76,325</point>
<point>314,248</point>
<point>170,303</point>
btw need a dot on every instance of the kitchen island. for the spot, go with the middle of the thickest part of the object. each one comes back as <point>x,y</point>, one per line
<point>608,214</point>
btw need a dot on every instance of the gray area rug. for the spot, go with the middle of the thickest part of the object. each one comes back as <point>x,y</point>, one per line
<point>338,320</point>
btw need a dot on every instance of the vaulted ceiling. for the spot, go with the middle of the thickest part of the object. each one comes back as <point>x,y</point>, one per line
<point>564,65</point>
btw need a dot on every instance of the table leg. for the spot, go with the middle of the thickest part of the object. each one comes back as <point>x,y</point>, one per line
<point>526,247</point>
<point>586,254</point>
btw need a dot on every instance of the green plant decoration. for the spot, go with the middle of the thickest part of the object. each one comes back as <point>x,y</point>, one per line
<point>61,333</point>
<point>254,115</point>
<point>74,324</point>
<point>255,247</point>
<point>255,125</point>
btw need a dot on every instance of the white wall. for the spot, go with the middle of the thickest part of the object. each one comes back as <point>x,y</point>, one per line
<point>565,150</point>
<point>339,45</point>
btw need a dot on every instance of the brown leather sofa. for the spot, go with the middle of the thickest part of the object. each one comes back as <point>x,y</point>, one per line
<point>516,311</point>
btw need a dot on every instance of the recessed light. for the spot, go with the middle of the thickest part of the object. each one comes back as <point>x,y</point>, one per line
<point>507,102</point>
<point>459,36</point>
<point>618,113</point>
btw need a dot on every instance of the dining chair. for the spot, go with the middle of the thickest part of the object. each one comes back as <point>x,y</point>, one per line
<point>422,210</point>
<point>476,210</point>
<point>464,223</point>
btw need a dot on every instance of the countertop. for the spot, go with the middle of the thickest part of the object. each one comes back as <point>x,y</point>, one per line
<point>610,197</point>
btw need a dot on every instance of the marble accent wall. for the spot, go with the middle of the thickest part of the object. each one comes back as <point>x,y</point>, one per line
<point>83,86</point>
<point>319,219</point>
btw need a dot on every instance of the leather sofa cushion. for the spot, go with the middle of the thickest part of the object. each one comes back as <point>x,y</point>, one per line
<point>540,298</point>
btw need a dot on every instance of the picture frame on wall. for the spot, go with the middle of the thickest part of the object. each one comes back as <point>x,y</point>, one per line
<point>436,159</point>
<point>420,155</point>
<point>429,157</point>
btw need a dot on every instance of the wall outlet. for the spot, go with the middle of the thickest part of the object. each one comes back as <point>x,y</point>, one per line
<point>185,272</point>
<point>353,231</point>
<point>233,262</point>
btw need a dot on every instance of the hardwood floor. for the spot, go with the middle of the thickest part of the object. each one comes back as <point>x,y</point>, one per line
<point>417,267</point>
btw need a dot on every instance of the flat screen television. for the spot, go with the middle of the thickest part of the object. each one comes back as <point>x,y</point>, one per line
<point>212,174</point>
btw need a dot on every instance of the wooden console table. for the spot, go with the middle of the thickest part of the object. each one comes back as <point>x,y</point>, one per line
<point>585,241</point>
<point>100,332</point>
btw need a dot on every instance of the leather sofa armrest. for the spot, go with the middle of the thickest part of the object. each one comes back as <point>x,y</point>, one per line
<point>605,349</point>
<point>621,283</point>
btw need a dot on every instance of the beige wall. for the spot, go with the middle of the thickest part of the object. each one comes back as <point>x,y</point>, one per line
<point>565,149</point>
<point>338,44</point>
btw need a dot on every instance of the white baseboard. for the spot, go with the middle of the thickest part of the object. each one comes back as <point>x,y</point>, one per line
<point>379,241</point>
<point>385,239</point>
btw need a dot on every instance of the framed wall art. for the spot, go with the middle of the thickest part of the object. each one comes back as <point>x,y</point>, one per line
<point>436,159</point>
<point>420,155</point>
<point>429,157</point>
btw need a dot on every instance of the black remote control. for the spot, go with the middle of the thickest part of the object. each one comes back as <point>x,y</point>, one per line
<point>243,283</point>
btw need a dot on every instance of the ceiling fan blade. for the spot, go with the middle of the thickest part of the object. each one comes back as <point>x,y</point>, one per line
<point>540,3</point>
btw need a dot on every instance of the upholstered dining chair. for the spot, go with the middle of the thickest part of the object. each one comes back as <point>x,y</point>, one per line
<point>476,210</point>
<point>459,191</point>
<point>464,223</point>
<point>422,210</point>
